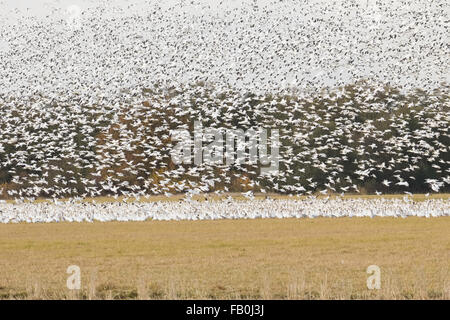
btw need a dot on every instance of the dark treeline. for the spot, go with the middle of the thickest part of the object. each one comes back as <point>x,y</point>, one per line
<point>357,138</point>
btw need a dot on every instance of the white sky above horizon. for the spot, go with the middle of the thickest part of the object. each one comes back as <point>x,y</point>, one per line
<point>342,53</point>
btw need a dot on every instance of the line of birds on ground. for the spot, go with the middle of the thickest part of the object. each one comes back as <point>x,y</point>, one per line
<point>225,209</point>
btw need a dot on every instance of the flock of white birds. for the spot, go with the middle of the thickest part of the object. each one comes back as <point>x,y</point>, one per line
<point>224,209</point>
<point>90,92</point>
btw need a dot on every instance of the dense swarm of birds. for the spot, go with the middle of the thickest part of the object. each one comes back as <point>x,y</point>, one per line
<point>358,90</point>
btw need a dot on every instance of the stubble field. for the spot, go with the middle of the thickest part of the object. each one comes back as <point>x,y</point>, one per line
<point>322,258</point>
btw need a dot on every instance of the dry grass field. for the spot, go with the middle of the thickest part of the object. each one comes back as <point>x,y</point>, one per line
<point>321,258</point>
